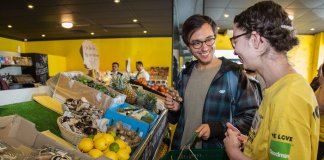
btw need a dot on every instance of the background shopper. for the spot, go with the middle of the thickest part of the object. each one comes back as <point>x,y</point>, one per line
<point>114,71</point>
<point>141,73</point>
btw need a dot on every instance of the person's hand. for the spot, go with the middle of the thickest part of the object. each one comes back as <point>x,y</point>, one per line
<point>203,131</point>
<point>231,141</point>
<point>241,137</point>
<point>171,104</point>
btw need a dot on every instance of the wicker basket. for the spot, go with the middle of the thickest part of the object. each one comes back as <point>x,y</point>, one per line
<point>70,136</point>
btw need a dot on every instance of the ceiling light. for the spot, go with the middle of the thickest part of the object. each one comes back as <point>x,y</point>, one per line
<point>92,33</point>
<point>291,17</point>
<point>116,1</point>
<point>9,26</point>
<point>312,29</point>
<point>67,24</point>
<point>218,28</point>
<point>144,32</point>
<point>30,6</point>
<point>25,39</point>
<point>43,35</point>
<point>226,15</point>
<point>135,20</point>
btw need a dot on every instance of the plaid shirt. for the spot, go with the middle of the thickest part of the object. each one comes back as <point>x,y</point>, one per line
<point>216,111</point>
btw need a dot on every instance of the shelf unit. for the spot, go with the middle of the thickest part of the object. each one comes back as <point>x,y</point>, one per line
<point>13,65</point>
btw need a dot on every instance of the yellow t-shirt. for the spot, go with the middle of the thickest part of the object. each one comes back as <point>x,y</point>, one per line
<point>286,125</point>
<point>321,134</point>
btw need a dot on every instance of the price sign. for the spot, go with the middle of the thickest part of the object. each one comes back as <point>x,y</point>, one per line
<point>90,55</point>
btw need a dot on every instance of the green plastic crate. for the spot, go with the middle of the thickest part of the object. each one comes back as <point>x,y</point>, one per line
<point>201,154</point>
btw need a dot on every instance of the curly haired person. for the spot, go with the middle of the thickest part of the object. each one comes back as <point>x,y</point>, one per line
<point>286,125</point>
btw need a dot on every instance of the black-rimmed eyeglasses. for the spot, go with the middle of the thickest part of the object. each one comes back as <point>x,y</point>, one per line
<point>198,44</point>
<point>235,37</point>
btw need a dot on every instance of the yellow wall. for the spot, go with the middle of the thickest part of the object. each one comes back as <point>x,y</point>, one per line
<point>319,52</point>
<point>151,51</point>
<point>223,42</point>
<point>56,64</point>
<point>11,45</point>
<point>301,57</point>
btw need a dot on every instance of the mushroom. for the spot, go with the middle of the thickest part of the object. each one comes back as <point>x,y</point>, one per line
<point>67,126</point>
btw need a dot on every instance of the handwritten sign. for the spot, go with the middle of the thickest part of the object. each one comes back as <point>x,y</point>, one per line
<point>90,55</point>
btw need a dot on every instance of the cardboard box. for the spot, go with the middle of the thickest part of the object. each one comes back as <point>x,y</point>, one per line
<point>129,122</point>
<point>22,135</point>
<point>64,87</point>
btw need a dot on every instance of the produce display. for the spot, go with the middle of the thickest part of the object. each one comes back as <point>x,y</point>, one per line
<point>49,153</point>
<point>137,113</point>
<point>129,136</point>
<point>88,128</point>
<point>121,84</point>
<point>158,89</point>
<point>8,152</point>
<point>97,86</point>
<point>146,100</point>
<point>105,144</point>
<point>104,77</point>
<point>81,117</point>
<point>46,152</point>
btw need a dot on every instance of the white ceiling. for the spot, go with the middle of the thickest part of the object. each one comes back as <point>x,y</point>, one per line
<point>307,13</point>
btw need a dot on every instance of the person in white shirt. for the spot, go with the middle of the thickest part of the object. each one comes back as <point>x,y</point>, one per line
<point>114,71</point>
<point>141,73</point>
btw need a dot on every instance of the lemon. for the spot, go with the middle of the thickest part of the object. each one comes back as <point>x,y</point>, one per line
<point>97,136</point>
<point>107,150</point>
<point>116,138</point>
<point>112,155</point>
<point>122,154</point>
<point>128,149</point>
<point>95,153</point>
<point>114,147</point>
<point>112,133</point>
<point>101,144</point>
<point>121,143</point>
<point>109,138</point>
<point>85,145</point>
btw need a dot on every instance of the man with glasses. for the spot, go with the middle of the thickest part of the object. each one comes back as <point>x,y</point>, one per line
<point>205,88</point>
<point>114,71</point>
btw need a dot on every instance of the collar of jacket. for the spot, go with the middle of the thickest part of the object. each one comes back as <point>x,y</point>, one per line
<point>226,66</point>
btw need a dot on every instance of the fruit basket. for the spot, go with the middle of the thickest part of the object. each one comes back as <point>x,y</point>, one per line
<point>201,154</point>
<point>69,135</point>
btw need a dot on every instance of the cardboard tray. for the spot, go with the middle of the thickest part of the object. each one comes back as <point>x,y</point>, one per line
<point>22,135</point>
<point>64,87</point>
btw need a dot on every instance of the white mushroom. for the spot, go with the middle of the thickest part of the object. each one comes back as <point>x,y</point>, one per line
<point>67,126</point>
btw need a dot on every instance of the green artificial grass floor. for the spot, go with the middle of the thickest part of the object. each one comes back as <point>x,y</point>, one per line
<point>44,118</point>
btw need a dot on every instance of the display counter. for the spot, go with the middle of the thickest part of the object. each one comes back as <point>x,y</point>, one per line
<point>149,147</point>
<point>22,95</point>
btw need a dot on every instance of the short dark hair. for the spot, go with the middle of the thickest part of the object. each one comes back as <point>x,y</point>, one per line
<point>271,21</point>
<point>139,62</point>
<point>115,63</point>
<point>193,23</point>
<point>322,69</point>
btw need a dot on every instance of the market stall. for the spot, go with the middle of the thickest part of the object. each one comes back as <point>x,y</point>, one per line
<point>82,95</point>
